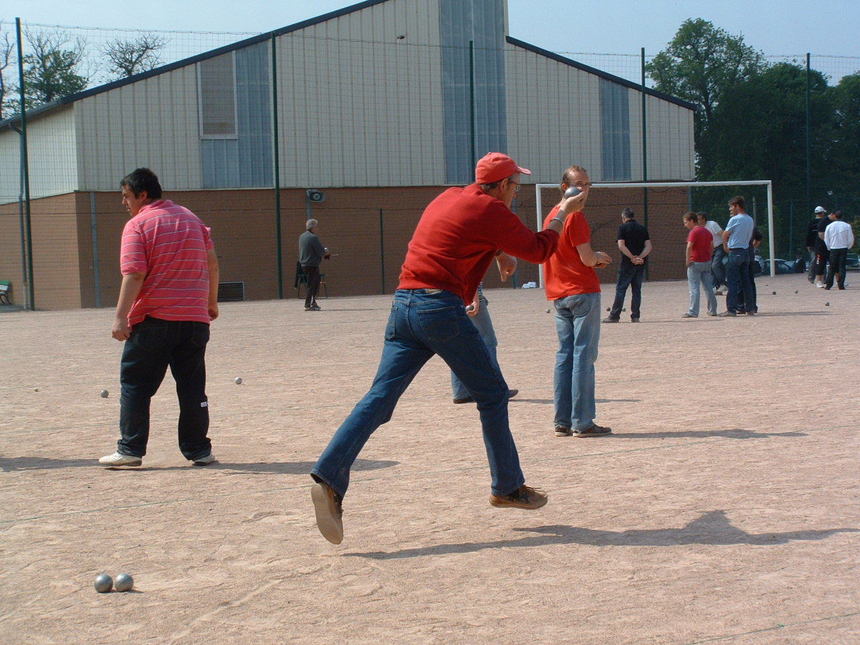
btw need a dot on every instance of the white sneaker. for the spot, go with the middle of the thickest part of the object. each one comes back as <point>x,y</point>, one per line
<point>205,461</point>
<point>119,459</point>
<point>818,284</point>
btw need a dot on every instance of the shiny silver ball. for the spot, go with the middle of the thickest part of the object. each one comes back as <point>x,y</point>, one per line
<point>103,583</point>
<point>238,380</point>
<point>124,582</point>
<point>103,394</point>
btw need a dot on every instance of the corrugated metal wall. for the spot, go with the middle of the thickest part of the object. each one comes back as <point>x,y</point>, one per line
<point>51,145</point>
<point>554,116</point>
<point>151,123</point>
<point>360,99</point>
<point>483,23</point>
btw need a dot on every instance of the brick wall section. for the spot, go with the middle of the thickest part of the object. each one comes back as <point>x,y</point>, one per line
<point>243,225</point>
<point>11,267</point>
<point>56,274</point>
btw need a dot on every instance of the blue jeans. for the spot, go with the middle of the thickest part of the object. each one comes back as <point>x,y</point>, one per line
<point>153,345</point>
<point>700,272</point>
<point>752,305</point>
<point>484,324</point>
<point>739,280</point>
<point>424,322</point>
<point>718,270</point>
<point>629,275</point>
<point>577,321</point>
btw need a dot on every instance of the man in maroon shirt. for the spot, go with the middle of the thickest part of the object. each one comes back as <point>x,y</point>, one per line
<point>698,260</point>
<point>458,236</point>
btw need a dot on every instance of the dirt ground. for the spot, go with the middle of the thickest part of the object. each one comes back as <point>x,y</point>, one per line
<point>724,508</point>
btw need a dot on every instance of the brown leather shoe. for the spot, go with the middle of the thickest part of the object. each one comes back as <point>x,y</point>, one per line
<point>329,512</point>
<point>524,497</point>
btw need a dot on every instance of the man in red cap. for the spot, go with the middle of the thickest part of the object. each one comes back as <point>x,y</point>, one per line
<point>460,233</point>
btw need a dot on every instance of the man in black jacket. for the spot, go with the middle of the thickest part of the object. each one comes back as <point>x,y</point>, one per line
<point>635,245</point>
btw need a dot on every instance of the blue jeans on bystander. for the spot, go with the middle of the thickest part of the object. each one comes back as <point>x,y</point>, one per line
<point>577,321</point>
<point>739,280</point>
<point>718,270</point>
<point>700,273</point>
<point>484,325</point>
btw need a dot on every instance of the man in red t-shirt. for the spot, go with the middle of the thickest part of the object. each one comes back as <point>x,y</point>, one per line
<point>700,244</point>
<point>168,297</point>
<point>574,288</point>
<point>459,234</point>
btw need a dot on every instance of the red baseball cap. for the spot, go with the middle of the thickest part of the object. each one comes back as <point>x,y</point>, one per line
<point>495,166</point>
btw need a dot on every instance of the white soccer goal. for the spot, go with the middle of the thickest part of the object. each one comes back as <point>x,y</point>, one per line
<point>675,184</point>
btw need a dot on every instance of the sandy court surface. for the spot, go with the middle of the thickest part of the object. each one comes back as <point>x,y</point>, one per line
<point>723,509</point>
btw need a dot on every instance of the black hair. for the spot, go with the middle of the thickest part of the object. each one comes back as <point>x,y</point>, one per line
<point>142,179</point>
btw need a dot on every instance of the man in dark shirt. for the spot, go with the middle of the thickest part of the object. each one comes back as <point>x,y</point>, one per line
<point>635,245</point>
<point>311,254</point>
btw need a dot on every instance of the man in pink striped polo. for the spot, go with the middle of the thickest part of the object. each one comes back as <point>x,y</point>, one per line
<point>168,297</point>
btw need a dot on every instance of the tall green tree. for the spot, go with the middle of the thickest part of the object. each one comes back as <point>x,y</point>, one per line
<point>702,64</point>
<point>844,154</point>
<point>759,129</point>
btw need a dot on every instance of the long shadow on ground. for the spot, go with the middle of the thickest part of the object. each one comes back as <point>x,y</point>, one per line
<point>728,433</point>
<point>711,528</point>
<point>286,467</point>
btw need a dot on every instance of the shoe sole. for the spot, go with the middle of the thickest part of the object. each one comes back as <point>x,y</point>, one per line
<point>507,504</point>
<point>563,433</point>
<point>204,463</point>
<point>133,463</point>
<point>328,523</point>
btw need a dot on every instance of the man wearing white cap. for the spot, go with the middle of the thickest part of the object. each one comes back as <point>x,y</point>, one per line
<point>459,234</point>
<point>812,241</point>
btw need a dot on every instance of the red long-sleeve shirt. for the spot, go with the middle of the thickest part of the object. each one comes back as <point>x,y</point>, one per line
<point>457,237</point>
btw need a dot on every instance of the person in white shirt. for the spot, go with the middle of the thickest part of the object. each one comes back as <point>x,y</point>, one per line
<point>718,271</point>
<point>838,238</point>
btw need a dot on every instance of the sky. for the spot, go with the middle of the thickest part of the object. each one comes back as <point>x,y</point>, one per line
<point>775,27</point>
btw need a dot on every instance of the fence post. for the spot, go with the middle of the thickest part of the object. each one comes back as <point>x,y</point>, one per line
<point>382,248</point>
<point>25,176</point>
<point>644,151</point>
<point>808,125</point>
<point>276,178</point>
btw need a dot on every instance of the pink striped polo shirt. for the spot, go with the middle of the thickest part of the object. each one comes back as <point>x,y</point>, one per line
<point>170,245</point>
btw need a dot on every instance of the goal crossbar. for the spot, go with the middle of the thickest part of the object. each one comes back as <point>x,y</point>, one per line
<point>676,184</point>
